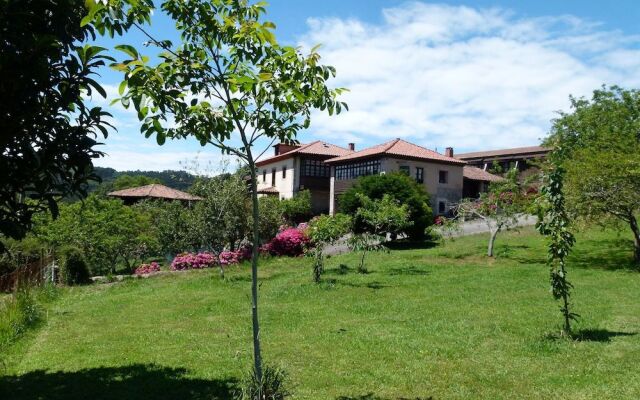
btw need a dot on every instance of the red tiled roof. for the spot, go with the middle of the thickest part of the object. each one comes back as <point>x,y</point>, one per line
<point>156,191</point>
<point>317,148</point>
<point>400,148</point>
<point>504,152</point>
<point>478,174</point>
<point>269,190</point>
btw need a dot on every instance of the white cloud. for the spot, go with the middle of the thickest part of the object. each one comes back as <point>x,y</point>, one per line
<point>123,159</point>
<point>473,78</point>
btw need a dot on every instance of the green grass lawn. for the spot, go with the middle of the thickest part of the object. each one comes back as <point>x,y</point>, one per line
<point>444,322</point>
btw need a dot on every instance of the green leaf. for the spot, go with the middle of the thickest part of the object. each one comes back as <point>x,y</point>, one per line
<point>86,20</point>
<point>265,76</point>
<point>122,87</point>
<point>129,50</point>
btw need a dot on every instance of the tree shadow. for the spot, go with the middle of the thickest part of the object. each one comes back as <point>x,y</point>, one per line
<point>598,335</point>
<point>611,255</point>
<point>408,271</point>
<point>371,285</point>
<point>371,396</point>
<point>404,244</point>
<point>138,381</point>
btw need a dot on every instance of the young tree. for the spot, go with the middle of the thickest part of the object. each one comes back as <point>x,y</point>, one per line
<point>600,143</point>
<point>323,231</point>
<point>499,207</point>
<point>381,217</point>
<point>229,84</point>
<point>554,223</point>
<point>48,133</point>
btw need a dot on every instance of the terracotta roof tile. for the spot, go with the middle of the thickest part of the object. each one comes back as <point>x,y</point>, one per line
<point>317,148</point>
<point>400,148</point>
<point>478,174</point>
<point>269,190</point>
<point>503,152</point>
<point>155,191</point>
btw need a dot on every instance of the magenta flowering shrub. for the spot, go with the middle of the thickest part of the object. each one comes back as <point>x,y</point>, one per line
<point>148,268</point>
<point>186,261</point>
<point>290,242</point>
<point>229,258</point>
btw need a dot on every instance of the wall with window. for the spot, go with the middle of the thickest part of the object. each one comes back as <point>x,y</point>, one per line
<point>443,182</point>
<point>281,175</point>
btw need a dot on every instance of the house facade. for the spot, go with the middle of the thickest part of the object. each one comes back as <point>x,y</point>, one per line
<point>298,167</point>
<point>441,175</point>
<point>524,159</point>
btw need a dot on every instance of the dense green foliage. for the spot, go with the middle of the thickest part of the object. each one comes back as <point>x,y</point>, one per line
<point>401,188</point>
<point>445,322</point>
<point>298,208</point>
<point>600,144</point>
<point>47,132</point>
<point>73,267</point>
<point>106,231</point>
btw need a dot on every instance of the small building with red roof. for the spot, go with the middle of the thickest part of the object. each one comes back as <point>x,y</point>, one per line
<point>441,174</point>
<point>154,191</point>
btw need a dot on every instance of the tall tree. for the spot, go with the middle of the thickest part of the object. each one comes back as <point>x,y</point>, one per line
<point>47,132</point>
<point>600,142</point>
<point>228,83</point>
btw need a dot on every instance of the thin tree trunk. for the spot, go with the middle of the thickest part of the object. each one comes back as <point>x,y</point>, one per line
<point>633,222</point>
<point>565,300</point>
<point>492,240</point>
<point>257,356</point>
<point>362,268</point>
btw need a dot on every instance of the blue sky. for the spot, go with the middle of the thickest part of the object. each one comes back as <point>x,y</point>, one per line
<point>473,75</point>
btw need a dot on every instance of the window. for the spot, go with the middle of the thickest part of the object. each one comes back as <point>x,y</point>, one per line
<point>442,207</point>
<point>443,176</point>
<point>284,171</point>
<point>316,168</point>
<point>273,177</point>
<point>419,174</point>
<point>264,176</point>
<point>404,169</point>
<point>352,171</point>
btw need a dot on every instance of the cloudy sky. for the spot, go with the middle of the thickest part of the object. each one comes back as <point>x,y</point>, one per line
<point>473,75</point>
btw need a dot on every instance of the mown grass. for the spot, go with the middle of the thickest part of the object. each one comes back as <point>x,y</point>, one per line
<point>441,323</point>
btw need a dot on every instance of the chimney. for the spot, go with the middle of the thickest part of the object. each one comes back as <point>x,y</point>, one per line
<point>352,146</point>
<point>448,151</point>
<point>282,148</point>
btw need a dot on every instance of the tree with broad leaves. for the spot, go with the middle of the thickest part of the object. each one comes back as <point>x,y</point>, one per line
<point>600,141</point>
<point>229,84</point>
<point>47,132</point>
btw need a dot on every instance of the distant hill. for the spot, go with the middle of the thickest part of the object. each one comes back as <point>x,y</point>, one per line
<point>180,180</point>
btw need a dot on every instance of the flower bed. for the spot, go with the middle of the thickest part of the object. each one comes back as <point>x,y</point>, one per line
<point>186,261</point>
<point>145,269</point>
<point>290,242</point>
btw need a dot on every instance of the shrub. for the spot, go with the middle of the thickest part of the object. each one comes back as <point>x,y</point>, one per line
<point>290,242</point>
<point>398,186</point>
<point>73,268</point>
<point>298,208</point>
<point>229,257</point>
<point>271,218</point>
<point>145,269</point>
<point>272,387</point>
<point>186,261</point>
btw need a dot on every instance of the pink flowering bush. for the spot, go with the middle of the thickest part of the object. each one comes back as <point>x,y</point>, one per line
<point>229,258</point>
<point>186,261</point>
<point>290,242</point>
<point>148,268</point>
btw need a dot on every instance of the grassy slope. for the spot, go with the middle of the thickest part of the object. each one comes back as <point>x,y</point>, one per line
<point>443,322</point>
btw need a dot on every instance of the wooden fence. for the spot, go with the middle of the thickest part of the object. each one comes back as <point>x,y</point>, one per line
<point>33,273</point>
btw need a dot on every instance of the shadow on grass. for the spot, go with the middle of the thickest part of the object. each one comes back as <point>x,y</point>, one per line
<point>371,396</point>
<point>408,271</point>
<point>138,381</point>
<point>591,335</point>
<point>598,335</point>
<point>371,285</point>
<point>612,254</point>
<point>410,244</point>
